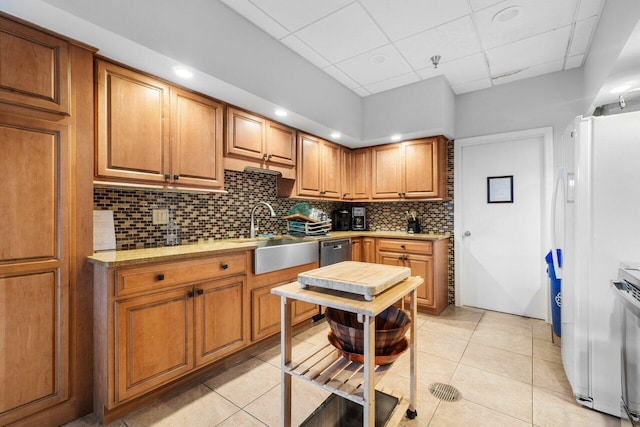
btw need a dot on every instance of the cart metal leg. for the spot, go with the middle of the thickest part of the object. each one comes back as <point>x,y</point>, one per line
<point>369,409</point>
<point>413,368</point>
<point>285,359</point>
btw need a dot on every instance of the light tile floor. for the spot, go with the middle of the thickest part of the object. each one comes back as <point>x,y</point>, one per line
<point>506,368</point>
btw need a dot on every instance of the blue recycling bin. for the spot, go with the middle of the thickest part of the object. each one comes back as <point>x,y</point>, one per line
<point>556,291</point>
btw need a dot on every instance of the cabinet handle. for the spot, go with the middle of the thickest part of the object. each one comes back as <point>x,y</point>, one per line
<point>403,247</point>
<point>265,156</point>
<point>167,177</point>
<point>269,156</point>
<point>190,294</point>
<point>160,277</point>
<point>176,177</point>
<point>200,292</point>
<point>224,265</point>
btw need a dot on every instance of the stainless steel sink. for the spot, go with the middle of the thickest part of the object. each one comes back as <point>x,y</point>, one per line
<point>278,254</point>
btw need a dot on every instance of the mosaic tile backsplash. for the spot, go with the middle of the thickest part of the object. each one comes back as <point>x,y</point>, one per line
<point>204,216</point>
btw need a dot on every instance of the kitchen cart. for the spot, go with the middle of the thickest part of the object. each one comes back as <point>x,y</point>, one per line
<point>325,367</point>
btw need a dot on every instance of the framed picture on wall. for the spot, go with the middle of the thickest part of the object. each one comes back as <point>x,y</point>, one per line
<point>500,189</point>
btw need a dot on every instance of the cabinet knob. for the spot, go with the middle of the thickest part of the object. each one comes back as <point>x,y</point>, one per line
<point>160,277</point>
<point>176,177</point>
<point>167,177</point>
<point>224,265</point>
<point>269,156</point>
<point>190,294</point>
<point>200,292</point>
<point>403,246</point>
<point>265,156</point>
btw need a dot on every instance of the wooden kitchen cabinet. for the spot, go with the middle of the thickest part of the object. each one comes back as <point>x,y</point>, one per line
<point>46,200</point>
<point>149,132</point>
<point>356,249</point>
<point>254,141</point>
<point>427,259</point>
<point>409,170</point>
<point>347,173</point>
<point>319,168</point>
<point>361,174</point>
<point>265,307</point>
<point>368,249</point>
<point>157,322</point>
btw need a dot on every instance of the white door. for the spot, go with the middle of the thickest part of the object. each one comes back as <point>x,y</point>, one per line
<point>500,246</point>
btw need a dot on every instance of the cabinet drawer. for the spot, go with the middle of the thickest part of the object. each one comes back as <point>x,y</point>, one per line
<point>164,275</point>
<point>413,246</point>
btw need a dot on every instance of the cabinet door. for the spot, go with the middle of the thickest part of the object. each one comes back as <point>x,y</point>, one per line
<point>422,265</point>
<point>265,311</point>
<point>34,270</point>
<point>301,311</point>
<point>281,144</point>
<point>361,176</point>
<point>221,318</point>
<point>35,68</point>
<point>356,249</point>
<point>309,182</point>
<point>347,173</point>
<point>386,171</point>
<point>369,249</point>
<point>154,341</point>
<point>390,258</point>
<point>420,174</point>
<point>245,134</point>
<point>133,125</point>
<point>331,167</point>
<point>196,140</point>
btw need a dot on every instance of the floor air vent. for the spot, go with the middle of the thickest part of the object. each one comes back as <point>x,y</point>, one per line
<point>445,392</point>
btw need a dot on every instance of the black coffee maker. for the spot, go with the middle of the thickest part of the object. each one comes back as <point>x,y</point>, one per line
<point>340,219</point>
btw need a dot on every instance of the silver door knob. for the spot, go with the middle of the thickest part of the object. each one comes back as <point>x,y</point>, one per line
<point>467,233</point>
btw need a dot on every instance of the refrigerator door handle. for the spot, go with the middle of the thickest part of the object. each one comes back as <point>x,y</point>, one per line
<point>558,184</point>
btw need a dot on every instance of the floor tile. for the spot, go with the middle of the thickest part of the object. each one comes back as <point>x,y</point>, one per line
<point>465,413</point>
<point>517,343</point>
<point>546,350</point>
<point>462,329</point>
<point>426,403</point>
<point>494,391</point>
<point>245,382</point>
<point>550,375</point>
<point>430,368</point>
<point>272,354</point>
<point>551,409</point>
<point>197,406</point>
<point>440,345</point>
<point>241,418</point>
<point>506,323</point>
<point>317,334</point>
<point>501,362</point>
<point>462,313</point>
<point>541,330</point>
<point>91,421</point>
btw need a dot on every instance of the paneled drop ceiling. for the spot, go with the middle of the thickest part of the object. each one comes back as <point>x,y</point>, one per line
<point>375,45</point>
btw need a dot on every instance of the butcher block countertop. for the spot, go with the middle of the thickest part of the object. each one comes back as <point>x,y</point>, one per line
<point>354,277</point>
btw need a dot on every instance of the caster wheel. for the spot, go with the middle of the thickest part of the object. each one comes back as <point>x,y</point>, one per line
<point>411,414</point>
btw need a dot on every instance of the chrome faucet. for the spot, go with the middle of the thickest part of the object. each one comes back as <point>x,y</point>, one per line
<point>253,226</point>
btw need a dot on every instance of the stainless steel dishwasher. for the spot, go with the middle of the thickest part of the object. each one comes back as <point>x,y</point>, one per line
<point>334,251</point>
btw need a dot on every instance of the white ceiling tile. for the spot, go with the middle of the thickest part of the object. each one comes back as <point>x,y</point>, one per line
<point>535,17</point>
<point>582,35</point>
<point>305,51</point>
<point>295,14</point>
<point>481,4</point>
<point>337,74</point>
<point>534,71</point>
<point>362,91</point>
<point>471,86</point>
<point>402,18</point>
<point>540,49</point>
<point>589,8</point>
<point>393,83</point>
<point>430,72</point>
<point>451,41</point>
<point>257,17</point>
<point>344,34</point>
<point>470,68</point>
<point>574,62</point>
<point>365,69</point>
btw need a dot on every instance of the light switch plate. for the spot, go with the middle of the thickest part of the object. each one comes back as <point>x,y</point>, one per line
<point>160,216</point>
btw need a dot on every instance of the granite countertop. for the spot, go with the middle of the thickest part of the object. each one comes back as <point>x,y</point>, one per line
<point>195,250</point>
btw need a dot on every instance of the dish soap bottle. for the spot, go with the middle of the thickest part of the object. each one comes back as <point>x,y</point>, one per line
<point>173,232</point>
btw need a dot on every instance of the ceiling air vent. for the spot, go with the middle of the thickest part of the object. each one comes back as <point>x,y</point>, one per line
<point>507,74</point>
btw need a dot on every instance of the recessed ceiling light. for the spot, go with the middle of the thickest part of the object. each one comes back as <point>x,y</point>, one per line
<point>183,72</point>
<point>335,135</point>
<point>619,89</point>
<point>396,137</point>
<point>378,58</point>
<point>507,14</point>
<point>280,112</point>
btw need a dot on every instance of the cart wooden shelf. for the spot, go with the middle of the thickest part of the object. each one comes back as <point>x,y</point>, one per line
<point>325,366</point>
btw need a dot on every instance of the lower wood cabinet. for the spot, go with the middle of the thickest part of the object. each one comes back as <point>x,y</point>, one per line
<point>356,249</point>
<point>368,249</point>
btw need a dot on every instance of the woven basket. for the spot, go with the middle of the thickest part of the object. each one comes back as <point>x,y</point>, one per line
<point>391,327</point>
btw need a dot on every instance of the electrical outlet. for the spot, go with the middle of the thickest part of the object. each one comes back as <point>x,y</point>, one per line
<point>160,216</point>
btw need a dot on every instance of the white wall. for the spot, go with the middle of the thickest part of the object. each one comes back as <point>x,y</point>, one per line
<point>424,108</point>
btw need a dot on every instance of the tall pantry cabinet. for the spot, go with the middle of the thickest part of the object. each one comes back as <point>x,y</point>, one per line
<point>46,141</point>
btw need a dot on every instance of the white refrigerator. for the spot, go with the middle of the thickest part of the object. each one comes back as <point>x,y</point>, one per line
<point>596,211</point>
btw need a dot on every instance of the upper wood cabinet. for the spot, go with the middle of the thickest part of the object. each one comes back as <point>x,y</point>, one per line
<point>361,174</point>
<point>35,69</point>
<point>319,168</point>
<point>411,169</point>
<point>151,132</point>
<point>255,141</point>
